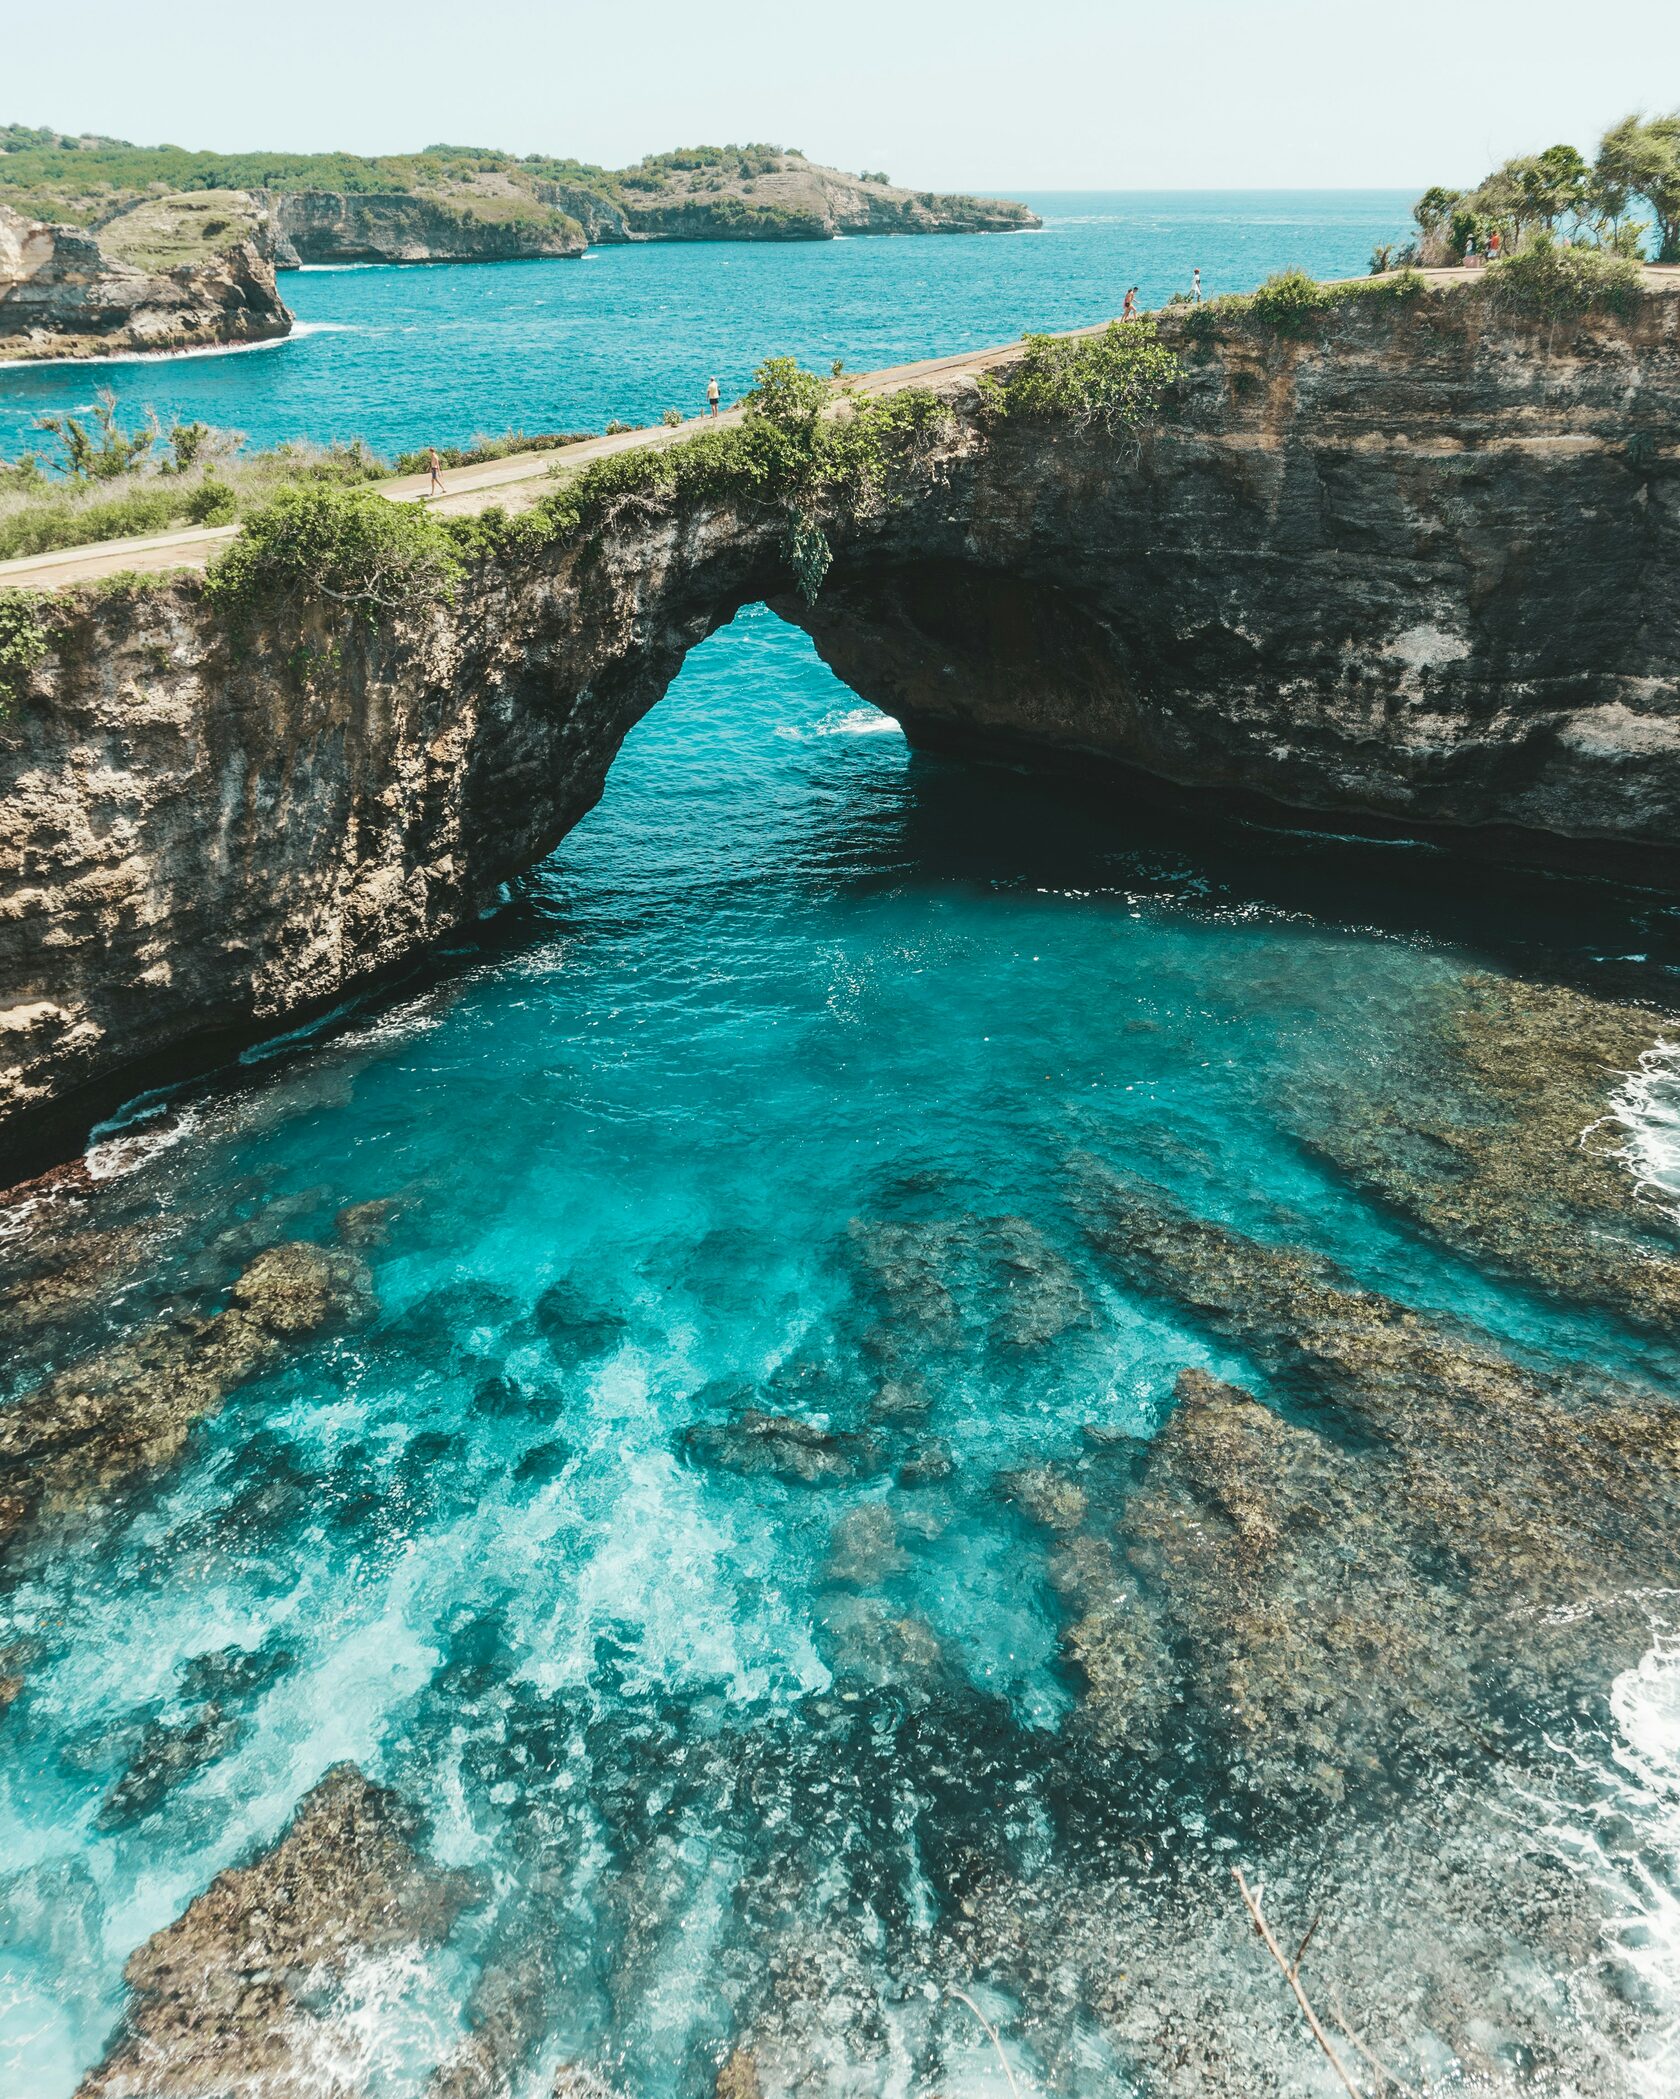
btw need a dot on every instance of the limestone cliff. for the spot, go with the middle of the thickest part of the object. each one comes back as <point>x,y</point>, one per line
<point>1411,567</point>
<point>506,215</point>
<point>404,226</point>
<point>475,204</point>
<point>172,273</point>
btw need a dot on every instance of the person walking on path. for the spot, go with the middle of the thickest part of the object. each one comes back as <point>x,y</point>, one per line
<point>1196,286</point>
<point>1469,251</point>
<point>712,396</point>
<point>1128,312</point>
<point>434,467</point>
<point>1496,244</point>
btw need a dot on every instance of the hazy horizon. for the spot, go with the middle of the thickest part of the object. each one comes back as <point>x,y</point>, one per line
<point>1224,94</point>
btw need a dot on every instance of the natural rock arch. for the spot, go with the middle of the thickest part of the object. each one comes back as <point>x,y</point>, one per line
<point>1399,573</point>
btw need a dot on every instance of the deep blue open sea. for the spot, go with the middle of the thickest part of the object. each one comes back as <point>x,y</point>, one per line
<point>793,1007</point>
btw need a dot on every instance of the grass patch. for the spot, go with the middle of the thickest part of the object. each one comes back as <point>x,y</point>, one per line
<point>483,449</point>
<point>125,485</point>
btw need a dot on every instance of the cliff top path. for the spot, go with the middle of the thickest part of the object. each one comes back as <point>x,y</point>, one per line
<point>523,478</point>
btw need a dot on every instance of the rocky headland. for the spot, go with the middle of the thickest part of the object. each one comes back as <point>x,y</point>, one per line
<point>459,204</point>
<point>1394,570</point>
<point>169,273</point>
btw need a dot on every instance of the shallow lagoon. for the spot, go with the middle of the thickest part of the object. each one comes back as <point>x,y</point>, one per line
<point>795,1030</point>
<point>775,1096</point>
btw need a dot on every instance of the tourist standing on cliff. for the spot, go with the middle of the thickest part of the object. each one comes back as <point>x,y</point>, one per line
<point>1196,286</point>
<point>1128,312</point>
<point>712,396</point>
<point>434,467</point>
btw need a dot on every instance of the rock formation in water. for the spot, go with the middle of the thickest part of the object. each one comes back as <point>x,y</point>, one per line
<point>172,273</point>
<point>1399,568</point>
<point>238,1993</point>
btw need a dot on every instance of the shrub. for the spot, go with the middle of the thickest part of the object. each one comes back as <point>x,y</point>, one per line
<point>24,640</point>
<point>673,418</point>
<point>212,503</point>
<point>1288,301</point>
<point>320,545</point>
<point>106,451</point>
<point>1555,281</point>
<point>1114,381</point>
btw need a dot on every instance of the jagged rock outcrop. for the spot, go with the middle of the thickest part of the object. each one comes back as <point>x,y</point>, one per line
<point>173,273</point>
<point>795,199</point>
<point>237,1993</point>
<point>1397,569</point>
<point>404,226</point>
<point>495,216</point>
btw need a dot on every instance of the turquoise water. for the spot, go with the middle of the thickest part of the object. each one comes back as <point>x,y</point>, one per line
<point>405,356</point>
<point>798,1029</point>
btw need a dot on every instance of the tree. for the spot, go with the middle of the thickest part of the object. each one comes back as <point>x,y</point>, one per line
<point>1640,156</point>
<point>1554,183</point>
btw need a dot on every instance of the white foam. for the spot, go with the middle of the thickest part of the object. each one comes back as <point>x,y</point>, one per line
<point>855,721</point>
<point>1623,1833</point>
<point>139,1131</point>
<point>1647,1108</point>
<point>273,342</point>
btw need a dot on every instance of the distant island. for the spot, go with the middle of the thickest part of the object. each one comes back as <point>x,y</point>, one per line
<point>109,246</point>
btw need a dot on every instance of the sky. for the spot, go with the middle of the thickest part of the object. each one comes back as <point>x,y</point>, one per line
<point>989,94</point>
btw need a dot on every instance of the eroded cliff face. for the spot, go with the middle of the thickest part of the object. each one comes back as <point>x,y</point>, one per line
<point>1411,568</point>
<point>174,273</point>
<point>341,226</point>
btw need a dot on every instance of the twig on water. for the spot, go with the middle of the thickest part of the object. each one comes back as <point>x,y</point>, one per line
<point>1340,2016</point>
<point>1294,1981</point>
<point>951,1990</point>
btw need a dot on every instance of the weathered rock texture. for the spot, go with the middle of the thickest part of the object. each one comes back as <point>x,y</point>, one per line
<point>498,215</point>
<point>1407,568</point>
<point>797,200</point>
<point>174,273</point>
<point>403,226</point>
<point>126,1412</point>
<point>236,1994</point>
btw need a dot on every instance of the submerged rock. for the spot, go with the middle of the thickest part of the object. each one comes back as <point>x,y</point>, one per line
<point>1361,1592</point>
<point>129,1410</point>
<point>777,1446</point>
<point>737,2076</point>
<point>575,1327</point>
<point>949,1284</point>
<point>169,1752</point>
<point>1490,1124</point>
<point>366,1224</point>
<point>863,1549</point>
<point>227,1999</point>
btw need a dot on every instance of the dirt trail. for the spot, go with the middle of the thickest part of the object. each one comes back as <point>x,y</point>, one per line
<point>520,480</point>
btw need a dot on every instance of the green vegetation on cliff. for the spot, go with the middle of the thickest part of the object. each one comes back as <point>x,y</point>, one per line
<point>809,453</point>
<point>752,191</point>
<point>1116,380</point>
<point>1613,204</point>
